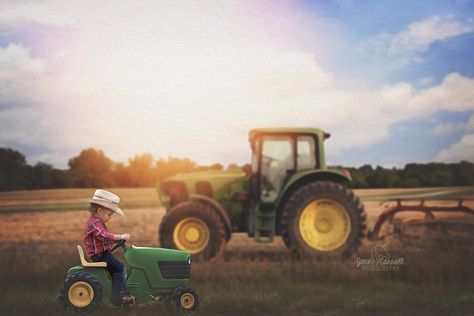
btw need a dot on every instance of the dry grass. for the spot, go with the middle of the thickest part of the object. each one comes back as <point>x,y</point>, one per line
<point>71,199</point>
<point>255,279</point>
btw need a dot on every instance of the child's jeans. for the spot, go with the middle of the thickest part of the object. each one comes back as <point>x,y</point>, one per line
<point>117,272</point>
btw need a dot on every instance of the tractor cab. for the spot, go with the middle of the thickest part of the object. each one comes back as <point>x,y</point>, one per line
<point>278,154</point>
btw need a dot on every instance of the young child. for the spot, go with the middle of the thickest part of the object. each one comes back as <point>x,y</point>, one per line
<point>99,241</point>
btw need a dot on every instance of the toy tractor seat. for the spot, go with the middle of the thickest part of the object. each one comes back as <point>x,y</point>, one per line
<point>84,263</point>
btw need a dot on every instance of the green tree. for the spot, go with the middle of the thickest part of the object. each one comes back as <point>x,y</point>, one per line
<point>359,179</point>
<point>13,170</point>
<point>382,178</point>
<point>141,170</point>
<point>217,166</point>
<point>121,175</point>
<point>463,174</point>
<point>233,166</point>
<point>92,168</point>
<point>171,166</point>
<point>44,176</point>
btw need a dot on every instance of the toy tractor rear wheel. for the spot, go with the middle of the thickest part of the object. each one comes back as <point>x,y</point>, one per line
<point>81,292</point>
<point>323,219</point>
<point>193,227</point>
<point>185,299</point>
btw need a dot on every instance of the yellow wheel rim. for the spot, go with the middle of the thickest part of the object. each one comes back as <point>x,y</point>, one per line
<point>324,225</point>
<point>80,294</point>
<point>191,235</point>
<point>187,301</point>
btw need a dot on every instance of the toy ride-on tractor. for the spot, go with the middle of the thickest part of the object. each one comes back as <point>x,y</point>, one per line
<point>153,274</point>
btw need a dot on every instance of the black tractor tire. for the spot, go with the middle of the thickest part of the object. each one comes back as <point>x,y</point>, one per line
<point>73,280</point>
<point>327,190</point>
<point>185,299</point>
<point>205,213</point>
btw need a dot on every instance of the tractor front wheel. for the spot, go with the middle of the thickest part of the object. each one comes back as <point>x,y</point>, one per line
<point>81,292</point>
<point>185,299</point>
<point>193,227</point>
<point>323,219</point>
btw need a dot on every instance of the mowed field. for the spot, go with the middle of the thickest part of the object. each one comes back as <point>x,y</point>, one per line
<point>39,231</point>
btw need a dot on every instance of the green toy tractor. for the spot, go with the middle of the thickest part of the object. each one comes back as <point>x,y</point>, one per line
<point>287,192</point>
<point>154,274</point>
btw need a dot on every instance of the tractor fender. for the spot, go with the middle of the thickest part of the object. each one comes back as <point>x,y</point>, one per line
<point>219,209</point>
<point>301,178</point>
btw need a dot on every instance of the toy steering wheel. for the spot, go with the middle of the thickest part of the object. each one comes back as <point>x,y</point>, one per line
<point>120,243</point>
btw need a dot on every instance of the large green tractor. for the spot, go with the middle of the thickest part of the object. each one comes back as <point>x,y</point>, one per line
<point>287,192</point>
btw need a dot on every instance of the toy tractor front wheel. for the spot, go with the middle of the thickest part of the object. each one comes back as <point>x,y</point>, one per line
<point>193,227</point>
<point>81,292</point>
<point>185,299</point>
<point>323,219</point>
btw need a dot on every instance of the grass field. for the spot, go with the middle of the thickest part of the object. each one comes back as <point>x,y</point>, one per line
<point>37,247</point>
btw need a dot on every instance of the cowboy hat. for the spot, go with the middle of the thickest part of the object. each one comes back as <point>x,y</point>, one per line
<point>108,200</point>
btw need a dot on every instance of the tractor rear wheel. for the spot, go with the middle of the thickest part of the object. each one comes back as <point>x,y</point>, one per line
<point>81,292</point>
<point>323,219</point>
<point>193,227</point>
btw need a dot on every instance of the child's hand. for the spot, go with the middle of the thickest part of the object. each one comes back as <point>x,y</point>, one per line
<point>125,236</point>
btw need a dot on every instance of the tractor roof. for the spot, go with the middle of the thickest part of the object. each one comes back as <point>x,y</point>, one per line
<point>288,130</point>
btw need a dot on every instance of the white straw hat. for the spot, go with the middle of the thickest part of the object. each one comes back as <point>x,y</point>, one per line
<point>107,199</point>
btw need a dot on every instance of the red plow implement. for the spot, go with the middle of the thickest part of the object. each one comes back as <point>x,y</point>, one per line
<point>434,204</point>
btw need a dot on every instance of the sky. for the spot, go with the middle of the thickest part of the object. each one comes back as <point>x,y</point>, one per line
<point>392,81</point>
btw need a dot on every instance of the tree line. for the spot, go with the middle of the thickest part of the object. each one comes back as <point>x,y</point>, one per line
<point>92,169</point>
<point>413,175</point>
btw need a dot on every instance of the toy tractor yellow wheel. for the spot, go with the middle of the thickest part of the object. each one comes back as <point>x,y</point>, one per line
<point>185,299</point>
<point>193,227</point>
<point>323,219</point>
<point>81,292</point>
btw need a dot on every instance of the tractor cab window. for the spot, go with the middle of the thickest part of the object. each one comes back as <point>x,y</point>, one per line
<point>306,153</point>
<point>277,159</point>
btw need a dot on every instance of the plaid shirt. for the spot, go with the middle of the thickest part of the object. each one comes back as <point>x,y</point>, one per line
<point>97,237</point>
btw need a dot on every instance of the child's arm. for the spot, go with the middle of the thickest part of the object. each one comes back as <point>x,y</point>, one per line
<point>99,231</point>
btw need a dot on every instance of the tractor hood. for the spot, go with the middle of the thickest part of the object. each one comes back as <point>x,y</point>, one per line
<point>216,184</point>
<point>163,268</point>
<point>207,175</point>
<point>137,256</point>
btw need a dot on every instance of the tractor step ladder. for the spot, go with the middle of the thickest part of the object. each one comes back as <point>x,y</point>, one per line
<point>264,224</point>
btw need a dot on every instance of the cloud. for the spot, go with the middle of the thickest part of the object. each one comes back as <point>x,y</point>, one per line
<point>18,72</point>
<point>405,47</point>
<point>267,88</point>
<point>448,128</point>
<point>418,36</point>
<point>179,80</point>
<point>463,150</point>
